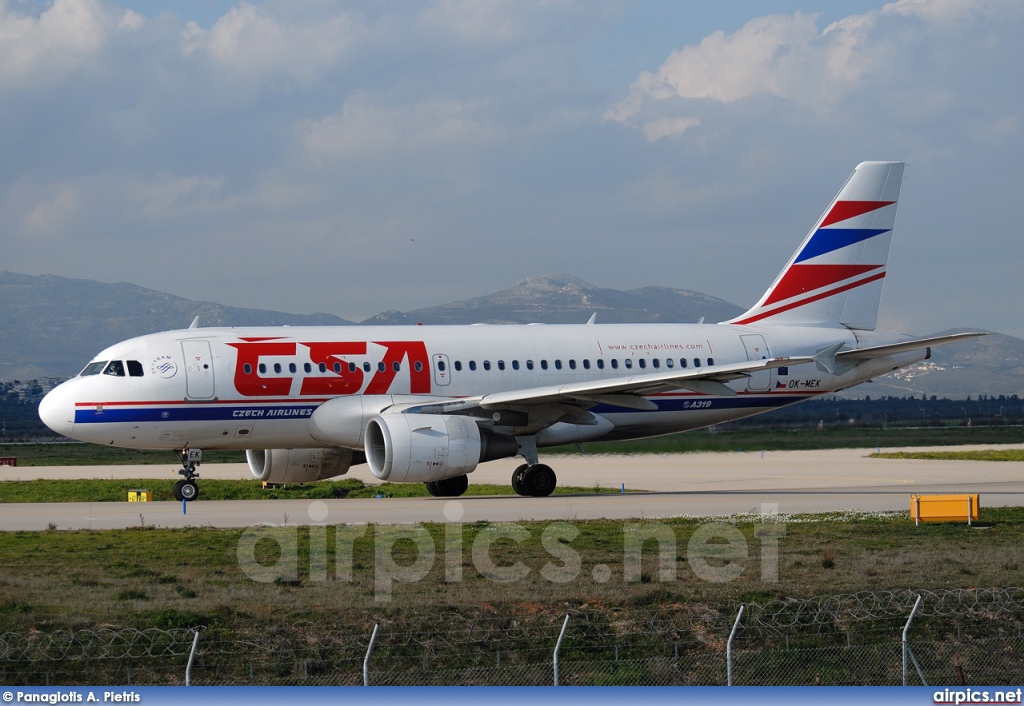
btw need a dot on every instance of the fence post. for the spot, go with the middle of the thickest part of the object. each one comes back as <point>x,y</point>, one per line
<point>369,651</point>
<point>906,647</point>
<point>191,658</point>
<point>728,647</point>
<point>558,645</point>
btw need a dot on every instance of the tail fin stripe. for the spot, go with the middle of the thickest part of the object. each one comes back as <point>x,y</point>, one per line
<point>808,300</point>
<point>844,210</point>
<point>826,241</point>
<point>800,279</point>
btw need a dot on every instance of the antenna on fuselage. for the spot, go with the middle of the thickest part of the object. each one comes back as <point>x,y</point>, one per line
<point>194,324</point>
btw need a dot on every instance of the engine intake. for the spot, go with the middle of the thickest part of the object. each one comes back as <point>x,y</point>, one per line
<point>424,448</point>
<point>282,466</point>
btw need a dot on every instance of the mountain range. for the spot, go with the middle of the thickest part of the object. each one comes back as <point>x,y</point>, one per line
<point>53,325</point>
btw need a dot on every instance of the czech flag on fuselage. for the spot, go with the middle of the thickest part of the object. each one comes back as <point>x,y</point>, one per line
<point>835,277</point>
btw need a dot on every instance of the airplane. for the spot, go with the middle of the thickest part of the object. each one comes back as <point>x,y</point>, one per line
<point>428,404</point>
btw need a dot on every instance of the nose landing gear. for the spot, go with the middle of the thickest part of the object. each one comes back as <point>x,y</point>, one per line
<point>187,489</point>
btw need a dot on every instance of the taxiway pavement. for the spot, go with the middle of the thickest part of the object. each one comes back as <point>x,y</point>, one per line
<point>678,484</point>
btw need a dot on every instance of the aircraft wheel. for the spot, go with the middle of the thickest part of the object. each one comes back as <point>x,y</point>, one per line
<point>432,489</point>
<point>452,487</point>
<point>517,480</point>
<point>189,490</point>
<point>177,491</point>
<point>539,480</point>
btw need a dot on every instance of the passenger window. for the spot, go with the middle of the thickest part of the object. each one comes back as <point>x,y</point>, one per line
<point>628,363</point>
<point>458,365</point>
<point>352,367</point>
<point>419,366</point>
<point>472,365</point>
<point>711,361</point>
<point>307,367</point>
<point>655,363</point>
<point>322,367</point>
<point>696,362</point>
<point>115,368</point>
<point>277,367</point>
<point>247,368</point>
<point>600,363</point>
<point>543,365</point>
<point>292,368</point>
<point>441,366</point>
<point>337,367</point>
<point>396,366</point>
<point>380,367</point>
<point>501,365</point>
<point>682,362</point>
<point>366,367</point>
<point>487,365</point>
<point>529,365</point>
<point>558,365</point>
<point>135,368</point>
<point>615,363</point>
<point>586,363</point>
<point>263,368</point>
<point>515,365</point>
<point>572,364</point>
<point>94,368</point>
<point>668,362</point>
<point>642,363</point>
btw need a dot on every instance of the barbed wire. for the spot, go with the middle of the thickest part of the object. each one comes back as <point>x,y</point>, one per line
<point>777,617</point>
<point>523,634</point>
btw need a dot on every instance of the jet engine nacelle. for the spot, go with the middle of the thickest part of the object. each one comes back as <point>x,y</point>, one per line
<point>423,448</point>
<point>282,466</point>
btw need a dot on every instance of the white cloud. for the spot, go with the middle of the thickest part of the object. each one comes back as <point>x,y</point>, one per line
<point>786,57</point>
<point>364,127</point>
<point>51,214</point>
<point>63,37</point>
<point>250,40</point>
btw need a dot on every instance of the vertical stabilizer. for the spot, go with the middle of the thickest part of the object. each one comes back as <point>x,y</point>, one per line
<point>835,277</point>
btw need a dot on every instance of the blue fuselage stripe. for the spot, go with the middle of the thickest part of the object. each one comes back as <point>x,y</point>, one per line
<point>248,413</point>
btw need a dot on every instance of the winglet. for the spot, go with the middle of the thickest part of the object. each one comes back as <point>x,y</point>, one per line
<point>194,324</point>
<point>593,318</point>
<point>825,359</point>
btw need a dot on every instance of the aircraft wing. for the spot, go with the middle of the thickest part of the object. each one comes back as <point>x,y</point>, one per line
<point>626,391</point>
<point>903,347</point>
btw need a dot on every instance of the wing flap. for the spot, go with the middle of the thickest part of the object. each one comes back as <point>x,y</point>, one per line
<point>709,380</point>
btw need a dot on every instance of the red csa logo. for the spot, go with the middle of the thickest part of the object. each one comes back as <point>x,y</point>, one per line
<point>337,375</point>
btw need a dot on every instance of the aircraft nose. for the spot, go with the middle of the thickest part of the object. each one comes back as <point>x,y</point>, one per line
<point>57,410</point>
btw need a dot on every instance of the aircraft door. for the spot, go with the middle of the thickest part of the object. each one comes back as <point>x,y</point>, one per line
<point>442,369</point>
<point>757,349</point>
<point>198,370</point>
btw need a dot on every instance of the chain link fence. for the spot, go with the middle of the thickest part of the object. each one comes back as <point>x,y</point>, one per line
<point>956,637</point>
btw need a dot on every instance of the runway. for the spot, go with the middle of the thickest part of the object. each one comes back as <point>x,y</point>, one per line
<point>704,484</point>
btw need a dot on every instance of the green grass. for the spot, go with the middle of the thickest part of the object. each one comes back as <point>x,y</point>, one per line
<point>100,490</point>
<point>192,576</point>
<point>980,455</point>
<point>78,454</point>
<point>81,454</point>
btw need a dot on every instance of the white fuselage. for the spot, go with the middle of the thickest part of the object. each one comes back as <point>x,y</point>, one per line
<point>251,388</point>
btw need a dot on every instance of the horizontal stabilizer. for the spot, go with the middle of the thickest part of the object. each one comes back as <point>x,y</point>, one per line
<point>903,347</point>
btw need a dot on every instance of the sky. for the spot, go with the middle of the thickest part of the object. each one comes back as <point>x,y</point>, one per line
<point>350,157</point>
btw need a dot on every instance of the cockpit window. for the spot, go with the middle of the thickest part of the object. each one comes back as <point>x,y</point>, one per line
<point>134,368</point>
<point>115,368</point>
<point>94,368</point>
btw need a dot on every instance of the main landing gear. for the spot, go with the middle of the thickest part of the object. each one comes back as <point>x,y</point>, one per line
<point>532,479</point>
<point>186,489</point>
